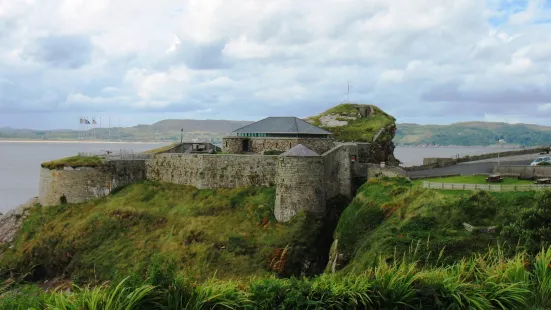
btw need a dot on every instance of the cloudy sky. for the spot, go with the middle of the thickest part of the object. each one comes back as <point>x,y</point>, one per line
<point>139,61</point>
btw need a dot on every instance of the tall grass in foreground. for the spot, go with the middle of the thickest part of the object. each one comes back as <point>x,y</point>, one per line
<point>490,281</point>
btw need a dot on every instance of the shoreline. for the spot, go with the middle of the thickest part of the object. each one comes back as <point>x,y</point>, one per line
<point>83,142</point>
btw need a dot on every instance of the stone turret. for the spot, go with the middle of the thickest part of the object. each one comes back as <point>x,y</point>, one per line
<point>299,183</point>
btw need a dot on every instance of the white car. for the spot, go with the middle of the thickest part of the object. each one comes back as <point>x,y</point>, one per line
<point>541,159</point>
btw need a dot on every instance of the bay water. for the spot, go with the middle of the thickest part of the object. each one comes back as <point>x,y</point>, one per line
<point>20,164</point>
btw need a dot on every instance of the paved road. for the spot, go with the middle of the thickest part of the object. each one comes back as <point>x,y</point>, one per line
<point>481,166</point>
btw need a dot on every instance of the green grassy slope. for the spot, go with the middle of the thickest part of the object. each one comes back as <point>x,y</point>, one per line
<point>473,134</point>
<point>227,232</point>
<point>361,129</point>
<point>388,216</point>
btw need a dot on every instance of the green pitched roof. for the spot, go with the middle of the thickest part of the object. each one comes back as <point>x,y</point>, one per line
<point>287,125</point>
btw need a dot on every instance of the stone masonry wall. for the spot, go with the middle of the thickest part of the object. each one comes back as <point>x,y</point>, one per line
<point>125,172</point>
<point>337,166</point>
<point>213,171</point>
<point>78,185</point>
<point>233,145</point>
<point>82,184</point>
<point>365,152</point>
<point>300,186</point>
<point>318,145</point>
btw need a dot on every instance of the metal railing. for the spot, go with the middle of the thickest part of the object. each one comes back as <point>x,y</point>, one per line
<point>487,187</point>
<point>120,155</point>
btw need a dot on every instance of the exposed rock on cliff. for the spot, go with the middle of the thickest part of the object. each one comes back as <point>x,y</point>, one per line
<point>361,123</point>
<point>12,220</point>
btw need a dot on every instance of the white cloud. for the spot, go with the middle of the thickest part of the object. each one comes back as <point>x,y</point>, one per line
<point>530,14</point>
<point>544,107</point>
<point>394,76</point>
<point>248,58</point>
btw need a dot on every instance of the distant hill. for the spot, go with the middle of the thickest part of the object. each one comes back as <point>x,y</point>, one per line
<point>191,125</point>
<point>166,130</point>
<point>458,134</point>
<point>472,134</point>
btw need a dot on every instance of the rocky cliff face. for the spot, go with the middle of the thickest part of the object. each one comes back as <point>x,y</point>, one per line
<point>351,122</point>
<point>12,221</point>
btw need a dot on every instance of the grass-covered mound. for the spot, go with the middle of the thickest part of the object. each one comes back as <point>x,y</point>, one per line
<point>351,122</point>
<point>358,129</point>
<point>389,216</point>
<point>227,232</point>
<point>74,162</point>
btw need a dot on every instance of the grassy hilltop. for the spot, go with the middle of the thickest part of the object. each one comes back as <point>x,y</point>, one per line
<point>347,124</point>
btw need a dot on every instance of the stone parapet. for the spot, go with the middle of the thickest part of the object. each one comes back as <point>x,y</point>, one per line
<point>213,171</point>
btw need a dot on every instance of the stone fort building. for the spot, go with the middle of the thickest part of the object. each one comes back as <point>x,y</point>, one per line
<point>312,169</point>
<point>278,134</point>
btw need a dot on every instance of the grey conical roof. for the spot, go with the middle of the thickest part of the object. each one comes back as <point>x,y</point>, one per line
<point>299,150</point>
<point>280,125</point>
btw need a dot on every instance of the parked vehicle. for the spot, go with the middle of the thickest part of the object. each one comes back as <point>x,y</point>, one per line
<point>540,160</point>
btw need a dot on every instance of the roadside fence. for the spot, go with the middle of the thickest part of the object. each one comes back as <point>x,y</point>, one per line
<point>487,187</point>
<point>121,155</point>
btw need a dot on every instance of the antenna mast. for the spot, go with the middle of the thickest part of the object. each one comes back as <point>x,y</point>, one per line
<point>348,93</point>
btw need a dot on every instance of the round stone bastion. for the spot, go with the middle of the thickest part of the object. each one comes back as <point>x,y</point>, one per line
<point>299,183</point>
<point>76,184</point>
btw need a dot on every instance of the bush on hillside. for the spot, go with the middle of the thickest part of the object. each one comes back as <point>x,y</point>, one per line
<point>532,229</point>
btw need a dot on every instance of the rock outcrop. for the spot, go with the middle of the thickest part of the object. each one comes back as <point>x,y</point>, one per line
<point>12,220</point>
<point>361,123</point>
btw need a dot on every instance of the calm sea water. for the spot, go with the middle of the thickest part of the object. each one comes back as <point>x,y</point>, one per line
<point>20,165</point>
<point>20,162</point>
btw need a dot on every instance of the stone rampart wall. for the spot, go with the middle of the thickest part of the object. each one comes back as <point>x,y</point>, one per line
<point>82,184</point>
<point>337,167</point>
<point>77,185</point>
<point>302,183</point>
<point>300,186</point>
<point>213,171</point>
<point>318,145</point>
<point>233,145</point>
<point>258,145</point>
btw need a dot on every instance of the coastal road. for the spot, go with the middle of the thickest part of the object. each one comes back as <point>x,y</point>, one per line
<point>479,166</point>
